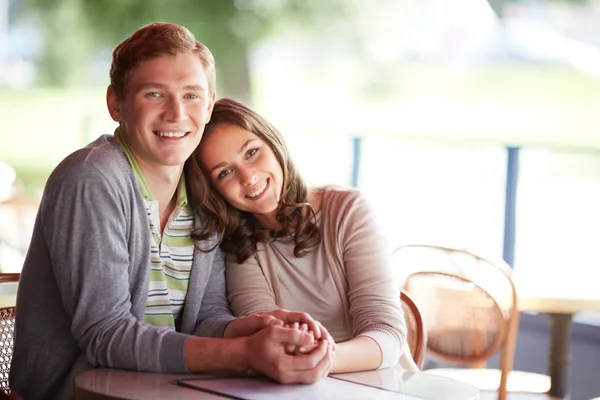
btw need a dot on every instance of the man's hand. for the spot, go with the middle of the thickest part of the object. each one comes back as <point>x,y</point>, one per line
<point>246,326</point>
<point>266,354</point>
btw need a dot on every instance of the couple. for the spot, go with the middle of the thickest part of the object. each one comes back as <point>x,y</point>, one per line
<point>125,271</point>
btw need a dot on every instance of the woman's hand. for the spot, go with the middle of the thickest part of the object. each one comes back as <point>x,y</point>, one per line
<point>291,317</point>
<point>247,326</point>
<point>292,349</point>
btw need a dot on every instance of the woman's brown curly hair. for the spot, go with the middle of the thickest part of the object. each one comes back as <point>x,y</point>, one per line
<point>237,231</point>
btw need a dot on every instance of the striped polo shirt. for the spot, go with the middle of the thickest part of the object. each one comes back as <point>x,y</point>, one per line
<point>171,253</point>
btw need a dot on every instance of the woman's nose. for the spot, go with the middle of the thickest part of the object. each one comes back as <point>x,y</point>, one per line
<point>248,176</point>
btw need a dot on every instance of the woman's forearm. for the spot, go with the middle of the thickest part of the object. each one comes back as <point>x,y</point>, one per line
<point>360,353</point>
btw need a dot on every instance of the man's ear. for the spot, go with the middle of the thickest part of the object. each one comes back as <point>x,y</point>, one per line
<point>114,104</point>
<point>211,104</point>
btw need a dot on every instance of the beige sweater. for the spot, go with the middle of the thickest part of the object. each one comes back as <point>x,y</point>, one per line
<point>345,282</point>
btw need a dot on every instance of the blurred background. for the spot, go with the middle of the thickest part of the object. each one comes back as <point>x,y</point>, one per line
<point>470,123</point>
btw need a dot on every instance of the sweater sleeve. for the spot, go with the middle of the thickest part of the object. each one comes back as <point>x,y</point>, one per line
<point>247,287</point>
<point>214,312</point>
<point>85,223</point>
<point>374,298</point>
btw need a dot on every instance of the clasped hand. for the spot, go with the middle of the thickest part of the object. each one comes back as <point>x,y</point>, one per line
<point>290,347</point>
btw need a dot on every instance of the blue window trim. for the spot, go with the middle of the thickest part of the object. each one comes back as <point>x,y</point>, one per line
<point>510,205</point>
<point>356,150</point>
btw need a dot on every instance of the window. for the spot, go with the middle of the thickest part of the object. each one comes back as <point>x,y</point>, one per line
<point>558,218</point>
<point>450,194</point>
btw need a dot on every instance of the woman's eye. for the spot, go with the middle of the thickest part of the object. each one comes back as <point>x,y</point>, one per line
<point>191,96</point>
<point>223,174</point>
<point>251,153</point>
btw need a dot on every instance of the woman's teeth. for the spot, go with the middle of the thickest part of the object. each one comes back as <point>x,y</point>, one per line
<point>258,191</point>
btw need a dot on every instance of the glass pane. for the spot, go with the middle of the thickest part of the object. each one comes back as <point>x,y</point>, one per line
<point>321,159</point>
<point>558,218</point>
<point>450,195</point>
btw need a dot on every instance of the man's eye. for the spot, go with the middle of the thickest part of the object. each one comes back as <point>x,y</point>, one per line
<point>223,174</point>
<point>152,94</point>
<point>251,153</point>
<point>191,96</point>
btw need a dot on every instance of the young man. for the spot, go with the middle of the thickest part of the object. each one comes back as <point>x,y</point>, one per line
<point>112,277</point>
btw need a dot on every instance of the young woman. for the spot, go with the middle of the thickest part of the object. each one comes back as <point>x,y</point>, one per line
<point>287,247</point>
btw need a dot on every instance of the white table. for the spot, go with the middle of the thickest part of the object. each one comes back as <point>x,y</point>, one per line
<point>118,384</point>
<point>549,294</point>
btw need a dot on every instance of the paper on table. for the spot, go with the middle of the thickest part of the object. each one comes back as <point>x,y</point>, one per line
<point>265,389</point>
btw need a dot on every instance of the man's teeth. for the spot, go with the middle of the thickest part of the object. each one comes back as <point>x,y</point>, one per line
<point>170,134</point>
<point>258,191</point>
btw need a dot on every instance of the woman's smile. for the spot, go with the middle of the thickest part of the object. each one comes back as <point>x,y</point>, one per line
<point>259,191</point>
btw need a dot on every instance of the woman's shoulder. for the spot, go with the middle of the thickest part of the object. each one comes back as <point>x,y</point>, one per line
<point>332,195</point>
<point>335,200</point>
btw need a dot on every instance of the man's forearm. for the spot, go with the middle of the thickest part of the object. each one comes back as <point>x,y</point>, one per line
<point>216,355</point>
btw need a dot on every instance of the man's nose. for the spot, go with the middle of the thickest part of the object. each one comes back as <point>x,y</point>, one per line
<point>175,110</point>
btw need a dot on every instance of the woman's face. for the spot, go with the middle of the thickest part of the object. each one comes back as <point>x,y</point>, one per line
<point>244,170</point>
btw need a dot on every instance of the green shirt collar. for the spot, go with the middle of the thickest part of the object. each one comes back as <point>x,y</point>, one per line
<point>141,180</point>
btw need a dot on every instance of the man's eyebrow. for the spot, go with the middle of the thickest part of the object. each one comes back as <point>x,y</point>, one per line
<point>152,85</point>
<point>155,85</point>
<point>194,87</point>
<point>240,151</point>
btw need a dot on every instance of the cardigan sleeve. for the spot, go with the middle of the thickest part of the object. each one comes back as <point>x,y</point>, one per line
<point>374,298</point>
<point>84,218</point>
<point>248,290</point>
<point>214,314</point>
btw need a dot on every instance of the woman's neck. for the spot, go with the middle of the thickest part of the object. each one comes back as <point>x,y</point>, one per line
<point>269,220</point>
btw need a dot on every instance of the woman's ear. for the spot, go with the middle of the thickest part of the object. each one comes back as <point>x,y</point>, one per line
<point>114,104</point>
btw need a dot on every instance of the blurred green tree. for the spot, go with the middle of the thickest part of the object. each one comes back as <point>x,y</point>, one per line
<point>74,29</point>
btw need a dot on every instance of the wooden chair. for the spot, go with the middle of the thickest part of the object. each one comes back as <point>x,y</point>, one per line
<point>417,335</point>
<point>7,326</point>
<point>469,305</point>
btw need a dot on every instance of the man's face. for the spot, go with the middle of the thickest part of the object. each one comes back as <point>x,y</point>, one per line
<point>164,111</point>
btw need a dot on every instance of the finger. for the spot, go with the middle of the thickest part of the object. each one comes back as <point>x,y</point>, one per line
<point>308,348</point>
<point>326,335</point>
<point>309,361</point>
<point>326,363</point>
<point>259,322</point>
<point>295,325</point>
<point>304,328</point>
<point>290,348</point>
<point>314,326</point>
<point>310,368</point>
<point>275,321</point>
<point>302,317</point>
<point>291,336</point>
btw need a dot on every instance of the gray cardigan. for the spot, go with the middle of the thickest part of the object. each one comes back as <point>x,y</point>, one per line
<point>84,284</point>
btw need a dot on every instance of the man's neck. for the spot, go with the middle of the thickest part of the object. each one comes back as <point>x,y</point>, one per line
<point>163,185</point>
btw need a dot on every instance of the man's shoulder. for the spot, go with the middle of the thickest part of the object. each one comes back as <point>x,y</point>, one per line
<point>101,157</point>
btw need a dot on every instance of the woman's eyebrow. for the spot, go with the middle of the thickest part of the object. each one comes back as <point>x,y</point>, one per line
<point>240,151</point>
